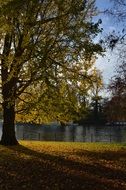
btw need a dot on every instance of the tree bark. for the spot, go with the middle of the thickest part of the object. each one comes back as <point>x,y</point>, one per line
<point>9,86</point>
<point>8,133</point>
<point>9,97</point>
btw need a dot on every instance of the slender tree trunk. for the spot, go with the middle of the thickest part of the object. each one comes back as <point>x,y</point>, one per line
<point>8,133</point>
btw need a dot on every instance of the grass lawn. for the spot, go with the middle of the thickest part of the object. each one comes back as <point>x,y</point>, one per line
<point>60,165</point>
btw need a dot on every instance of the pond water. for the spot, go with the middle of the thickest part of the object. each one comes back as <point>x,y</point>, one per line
<point>71,133</point>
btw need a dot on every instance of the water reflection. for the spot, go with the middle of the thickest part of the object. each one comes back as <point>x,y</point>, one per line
<point>71,133</point>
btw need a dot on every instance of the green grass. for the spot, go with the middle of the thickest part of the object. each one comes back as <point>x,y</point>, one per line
<point>63,166</point>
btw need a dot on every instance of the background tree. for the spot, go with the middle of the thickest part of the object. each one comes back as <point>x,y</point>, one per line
<point>118,13</point>
<point>38,37</point>
<point>116,106</point>
<point>95,110</point>
<point>118,10</point>
<point>96,98</point>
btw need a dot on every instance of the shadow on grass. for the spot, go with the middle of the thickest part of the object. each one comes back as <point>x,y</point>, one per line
<point>32,170</point>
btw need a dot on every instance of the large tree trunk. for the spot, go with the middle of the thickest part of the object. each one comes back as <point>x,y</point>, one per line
<point>8,92</point>
<point>8,95</point>
<point>8,133</point>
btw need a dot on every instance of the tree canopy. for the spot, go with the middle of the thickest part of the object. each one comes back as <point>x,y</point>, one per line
<point>40,40</point>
